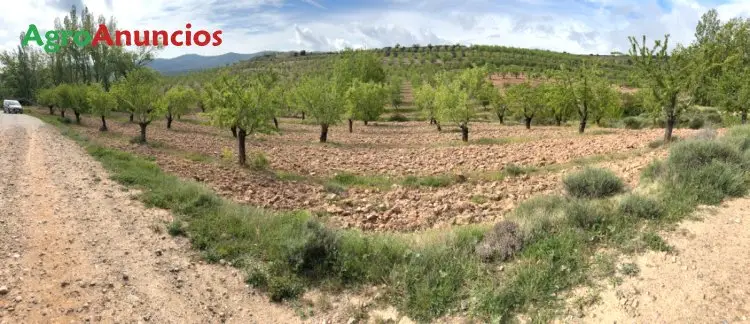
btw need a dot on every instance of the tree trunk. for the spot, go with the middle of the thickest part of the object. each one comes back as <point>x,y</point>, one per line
<point>169,121</point>
<point>744,117</point>
<point>558,121</point>
<point>234,131</point>
<point>350,125</point>
<point>51,110</point>
<point>432,121</point>
<point>62,113</point>
<point>143,132</point>
<point>323,133</point>
<point>78,116</point>
<point>365,122</point>
<point>104,125</point>
<point>303,115</point>
<point>440,129</point>
<point>276,123</point>
<point>582,126</point>
<point>131,117</point>
<point>528,122</point>
<point>599,121</point>
<point>241,146</point>
<point>671,121</point>
<point>501,116</point>
<point>465,133</point>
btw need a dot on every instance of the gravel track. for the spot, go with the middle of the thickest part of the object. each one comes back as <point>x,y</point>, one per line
<point>76,247</point>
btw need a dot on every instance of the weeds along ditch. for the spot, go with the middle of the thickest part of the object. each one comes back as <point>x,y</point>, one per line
<point>523,264</point>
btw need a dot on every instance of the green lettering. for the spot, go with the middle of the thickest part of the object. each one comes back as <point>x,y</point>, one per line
<point>65,36</point>
<point>86,38</point>
<point>32,34</point>
<point>53,41</point>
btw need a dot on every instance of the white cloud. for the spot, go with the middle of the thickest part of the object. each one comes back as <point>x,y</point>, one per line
<point>596,26</point>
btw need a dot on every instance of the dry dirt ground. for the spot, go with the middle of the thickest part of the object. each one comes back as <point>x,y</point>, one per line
<point>387,149</point>
<point>75,247</point>
<point>704,281</point>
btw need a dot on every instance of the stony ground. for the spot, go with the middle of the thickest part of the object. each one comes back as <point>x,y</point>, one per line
<point>704,281</point>
<point>394,150</point>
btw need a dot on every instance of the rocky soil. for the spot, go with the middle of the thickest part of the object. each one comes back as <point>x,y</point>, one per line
<point>396,150</point>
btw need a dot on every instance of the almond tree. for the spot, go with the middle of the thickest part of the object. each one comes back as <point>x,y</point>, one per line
<point>176,102</point>
<point>453,105</point>
<point>138,94</point>
<point>525,100</point>
<point>590,94</point>
<point>320,97</point>
<point>668,76</point>
<point>241,103</point>
<point>365,101</point>
<point>424,99</point>
<point>499,104</point>
<point>101,103</point>
<point>48,97</point>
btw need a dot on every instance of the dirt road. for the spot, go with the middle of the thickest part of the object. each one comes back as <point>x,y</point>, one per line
<point>74,246</point>
<point>705,281</point>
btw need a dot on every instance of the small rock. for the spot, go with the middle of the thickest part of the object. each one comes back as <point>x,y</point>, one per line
<point>125,277</point>
<point>4,290</point>
<point>18,299</point>
<point>351,320</point>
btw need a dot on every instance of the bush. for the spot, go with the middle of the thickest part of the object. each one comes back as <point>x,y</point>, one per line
<point>706,134</point>
<point>696,122</point>
<point>259,161</point>
<point>64,120</point>
<point>653,170</point>
<point>539,216</point>
<point>501,243</point>
<point>593,183</point>
<point>688,156</point>
<point>586,215</point>
<point>714,118</point>
<point>398,118</point>
<point>641,207</point>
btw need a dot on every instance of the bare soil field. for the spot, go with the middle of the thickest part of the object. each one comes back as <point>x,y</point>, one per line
<point>389,152</point>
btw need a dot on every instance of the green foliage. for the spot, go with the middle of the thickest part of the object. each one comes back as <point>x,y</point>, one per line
<point>641,206</point>
<point>424,99</point>
<point>177,101</point>
<point>241,102</point>
<point>138,94</point>
<point>259,161</point>
<point>593,183</point>
<point>366,101</point>
<point>320,99</point>
<point>525,100</point>
<point>101,101</point>
<point>633,122</point>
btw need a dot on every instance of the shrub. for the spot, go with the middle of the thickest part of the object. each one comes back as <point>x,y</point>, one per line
<point>586,215</point>
<point>696,122</point>
<point>687,156</point>
<point>501,243</point>
<point>593,183</point>
<point>641,207</point>
<point>714,118</point>
<point>429,181</point>
<point>285,286</point>
<point>539,215</point>
<point>398,118</point>
<point>514,170</point>
<point>259,161</point>
<point>227,154</point>
<point>706,134</point>
<point>64,120</point>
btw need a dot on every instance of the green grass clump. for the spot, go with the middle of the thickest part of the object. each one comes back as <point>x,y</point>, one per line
<point>696,122</point>
<point>515,170</point>
<point>259,161</point>
<point>593,183</point>
<point>347,179</point>
<point>539,215</point>
<point>398,118</point>
<point>428,181</point>
<point>641,207</point>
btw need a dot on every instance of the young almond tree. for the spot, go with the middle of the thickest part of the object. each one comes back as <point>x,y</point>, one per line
<point>101,103</point>
<point>319,96</point>
<point>73,97</point>
<point>560,102</point>
<point>730,86</point>
<point>526,100</point>
<point>48,97</point>
<point>365,101</point>
<point>394,87</point>
<point>243,104</point>
<point>176,102</point>
<point>590,94</point>
<point>499,104</point>
<point>424,99</point>
<point>453,105</point>
<point>668,76</point>
<point>138,93</point>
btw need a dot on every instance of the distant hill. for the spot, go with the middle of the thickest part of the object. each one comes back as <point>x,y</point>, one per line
<point>192,62</point>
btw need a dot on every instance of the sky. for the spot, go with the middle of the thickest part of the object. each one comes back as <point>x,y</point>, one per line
<point>248,26</point>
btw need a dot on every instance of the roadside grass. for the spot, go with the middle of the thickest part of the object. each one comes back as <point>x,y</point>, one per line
<point>435,273</point>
